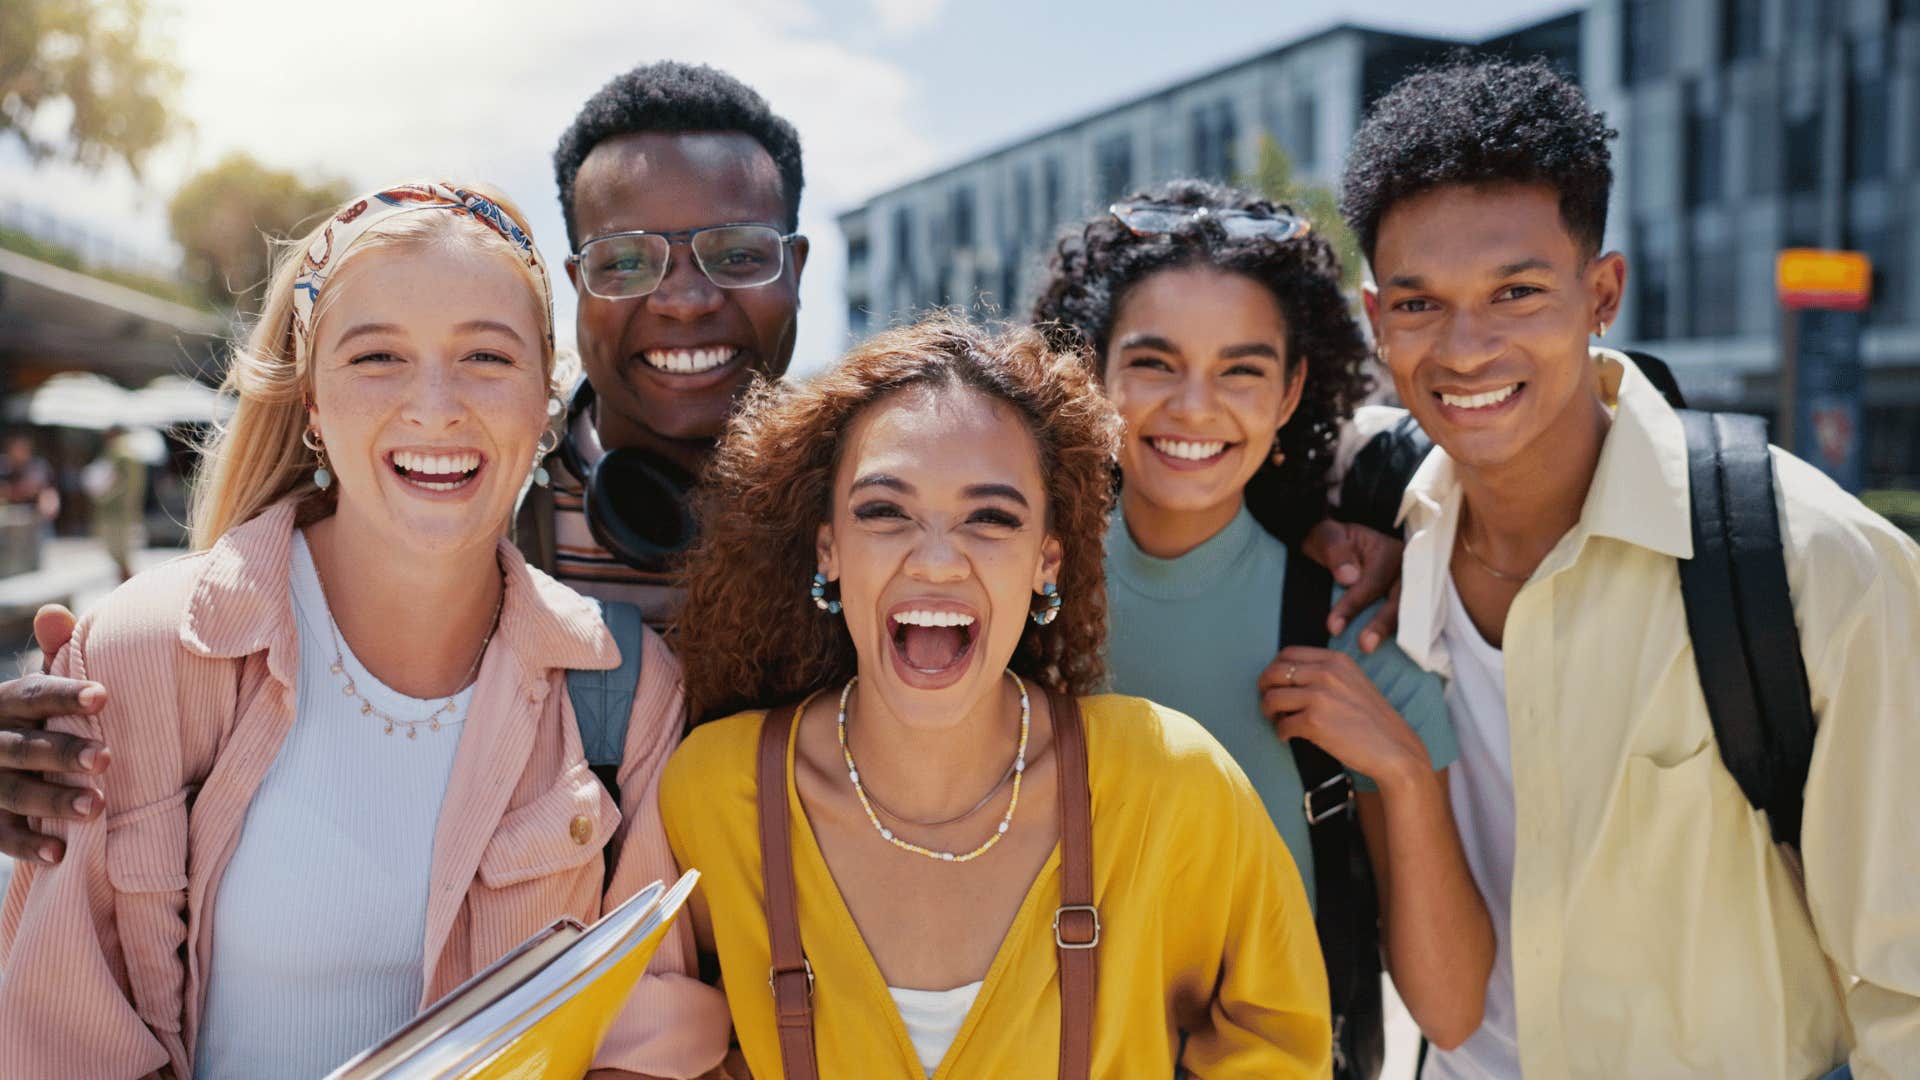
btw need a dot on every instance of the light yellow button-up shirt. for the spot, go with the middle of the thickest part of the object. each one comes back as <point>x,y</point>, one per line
<point>1656,929</point>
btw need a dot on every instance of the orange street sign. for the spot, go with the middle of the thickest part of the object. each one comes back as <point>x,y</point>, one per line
<point>1813,278</point>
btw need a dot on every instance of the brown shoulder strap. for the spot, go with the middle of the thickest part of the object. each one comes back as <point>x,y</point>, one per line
<point>1076,925</point>
<point>791,979</point>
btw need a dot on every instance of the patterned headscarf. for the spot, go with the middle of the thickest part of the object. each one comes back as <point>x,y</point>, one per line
<point>324,254</point>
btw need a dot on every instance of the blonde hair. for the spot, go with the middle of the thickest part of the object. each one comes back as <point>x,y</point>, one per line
<point>257,457</point>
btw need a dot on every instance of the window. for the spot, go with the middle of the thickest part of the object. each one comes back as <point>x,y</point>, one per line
<point>857,318</point>
<point>1214,132</point>
<point>1113,166</point>
<point>1303,130</point>
<point>1869,126</point>
<point>1762,173</point>
<point>1649,279</point>
<point>960,216</point>
<point>1705,159</point>
<point>1806,19</point>
<point>1022,203</point>
<point>903,254</point>
<point>1714,305</point>
<point>857,257</point>
<point>1740,28</point>
<point>1051,192</point>
<point>1644,41</point>
<point>1802,151</point>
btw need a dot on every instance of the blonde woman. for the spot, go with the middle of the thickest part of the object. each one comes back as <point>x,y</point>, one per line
<point>346,773</point>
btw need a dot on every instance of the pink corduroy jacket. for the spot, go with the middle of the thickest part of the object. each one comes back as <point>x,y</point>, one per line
<point>103,958</point>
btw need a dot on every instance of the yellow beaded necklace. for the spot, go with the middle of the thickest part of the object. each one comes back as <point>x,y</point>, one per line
<point>1019,769</point>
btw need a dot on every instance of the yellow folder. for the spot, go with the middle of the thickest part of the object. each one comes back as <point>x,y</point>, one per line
<point>541,1010</point>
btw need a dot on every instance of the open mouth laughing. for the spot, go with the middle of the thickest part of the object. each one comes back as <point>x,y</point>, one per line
<point>438,471</point>
<point>1479,404</point>
<point>932,643</point>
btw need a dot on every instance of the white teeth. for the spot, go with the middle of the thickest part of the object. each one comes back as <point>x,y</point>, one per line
<point>1188,450</point>
<point>436,464</point>
<point>1480,401</point>
<point>689,361</point>
<point>919,617</point>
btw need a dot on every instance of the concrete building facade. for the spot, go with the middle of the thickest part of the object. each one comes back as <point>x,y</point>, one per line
<point>1747,126</point>
<point>977,234</point>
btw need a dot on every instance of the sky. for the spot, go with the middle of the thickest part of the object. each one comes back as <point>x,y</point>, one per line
<point>881,91</point>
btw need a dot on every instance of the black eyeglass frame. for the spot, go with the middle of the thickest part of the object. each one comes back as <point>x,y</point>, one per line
<point>1195,216</point>
<point>576,260</point>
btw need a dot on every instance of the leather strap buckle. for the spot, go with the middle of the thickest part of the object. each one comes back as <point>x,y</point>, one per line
<point>1065,909</point>
<point>775,976</point>
<point>1328,798</point>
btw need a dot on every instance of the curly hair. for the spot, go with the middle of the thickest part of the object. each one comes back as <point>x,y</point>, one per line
<point>749,635</point>
<point>1095,267</point>
<point>1478,121</point>
<point>673,97</point>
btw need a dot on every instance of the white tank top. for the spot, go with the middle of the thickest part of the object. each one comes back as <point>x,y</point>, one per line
<point>933,1018</point>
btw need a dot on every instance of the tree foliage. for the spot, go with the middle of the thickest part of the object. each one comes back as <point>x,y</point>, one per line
<point>1274,177</point>
<point>226,218</point>
<point>97,65</point>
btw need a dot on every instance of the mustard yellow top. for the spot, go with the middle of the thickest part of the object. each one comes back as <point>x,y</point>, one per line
<point>1205,929</point>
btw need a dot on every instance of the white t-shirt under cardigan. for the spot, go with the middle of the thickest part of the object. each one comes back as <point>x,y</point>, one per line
<point>319,932</point>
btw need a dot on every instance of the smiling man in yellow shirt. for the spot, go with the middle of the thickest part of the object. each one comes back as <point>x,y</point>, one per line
<point>1648,924</point>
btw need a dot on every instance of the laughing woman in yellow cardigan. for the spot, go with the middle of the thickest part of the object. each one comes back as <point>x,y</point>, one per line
<point>908,549</point>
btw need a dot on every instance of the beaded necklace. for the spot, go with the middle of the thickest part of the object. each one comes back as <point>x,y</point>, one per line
<point>1019,770</point>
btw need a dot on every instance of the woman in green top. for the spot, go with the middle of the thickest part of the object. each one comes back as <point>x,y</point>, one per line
<point>1216,322</point>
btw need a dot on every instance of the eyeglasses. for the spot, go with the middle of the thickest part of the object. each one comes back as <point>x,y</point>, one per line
<point>629,264</point>
<point>1160,219</point>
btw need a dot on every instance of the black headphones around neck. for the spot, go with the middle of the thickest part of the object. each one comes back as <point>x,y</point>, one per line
<point>636,501</point>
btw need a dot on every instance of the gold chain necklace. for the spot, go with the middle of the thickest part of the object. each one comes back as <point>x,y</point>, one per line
<point>1019,770</point>
<point>432,722</point>
<point>1484,564</point>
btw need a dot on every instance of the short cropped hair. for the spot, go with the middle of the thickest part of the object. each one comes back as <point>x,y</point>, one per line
<point>672,97</point>
<point>1479,121</point>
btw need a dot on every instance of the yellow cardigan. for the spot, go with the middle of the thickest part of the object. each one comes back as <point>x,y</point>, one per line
<point>1205,929</point>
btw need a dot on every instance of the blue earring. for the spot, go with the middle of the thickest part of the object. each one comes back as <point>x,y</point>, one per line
<point>1044,617</point>
<point>819,593</point>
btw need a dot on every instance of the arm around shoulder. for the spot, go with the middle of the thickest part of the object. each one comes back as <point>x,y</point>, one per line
<point>673,1025</point>
<point>90,948</point>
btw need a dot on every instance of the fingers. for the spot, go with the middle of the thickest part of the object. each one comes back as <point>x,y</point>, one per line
<point>1386,622</point>
<point>52,626</point>
<point>31,699</point>
<point>1280,703</point>
<point>1379,557</point>
<point>1293,666</point>
<point>22,843</point>
<point>34,750</point>
<point>28,796</point>
<point>1330,543</point>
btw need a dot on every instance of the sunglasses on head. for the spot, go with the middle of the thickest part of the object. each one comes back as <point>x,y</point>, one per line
<point>1161,219</point>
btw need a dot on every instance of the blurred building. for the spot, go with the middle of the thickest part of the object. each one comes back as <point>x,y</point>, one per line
<point>1748,126</point>
<point>978,233</point>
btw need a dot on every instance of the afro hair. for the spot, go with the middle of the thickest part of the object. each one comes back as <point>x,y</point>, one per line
<point>672,97</point>
<point>1478,121</point>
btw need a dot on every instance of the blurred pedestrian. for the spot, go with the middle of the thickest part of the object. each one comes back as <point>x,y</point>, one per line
<point>117,483</point>
<point>26,479</point>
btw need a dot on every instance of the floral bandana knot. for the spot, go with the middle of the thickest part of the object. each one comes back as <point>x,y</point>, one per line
<point>360,215</point>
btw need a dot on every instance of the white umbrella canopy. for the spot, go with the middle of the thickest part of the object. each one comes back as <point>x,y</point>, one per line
<point>74,399</point>
<point>80,399</point>
<point>176,399</point>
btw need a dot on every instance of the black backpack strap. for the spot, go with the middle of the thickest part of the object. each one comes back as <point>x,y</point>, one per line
<point>1348,913</point>
<point>603,700</point>
<point>1746,644</point>
<point>1370,492</point>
